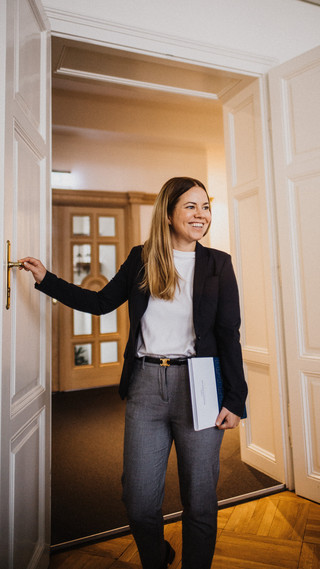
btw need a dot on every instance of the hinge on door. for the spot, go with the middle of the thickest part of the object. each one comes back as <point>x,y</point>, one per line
<point>289,426</point>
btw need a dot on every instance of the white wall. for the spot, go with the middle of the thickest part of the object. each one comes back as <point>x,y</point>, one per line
<point>241,29</point>
<point>136,145</point>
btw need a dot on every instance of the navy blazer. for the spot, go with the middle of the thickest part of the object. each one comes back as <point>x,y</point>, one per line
<point>216,313</point>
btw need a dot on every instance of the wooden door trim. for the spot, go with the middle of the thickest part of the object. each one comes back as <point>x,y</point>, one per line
<point>129,201</point>
<point>93,198</point>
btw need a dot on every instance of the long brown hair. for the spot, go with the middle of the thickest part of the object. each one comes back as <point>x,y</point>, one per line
<point>160,276</point>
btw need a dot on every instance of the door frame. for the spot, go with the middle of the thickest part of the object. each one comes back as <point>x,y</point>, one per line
<point>296,167</point>
<point>70,26</point>
<point>251,240</point>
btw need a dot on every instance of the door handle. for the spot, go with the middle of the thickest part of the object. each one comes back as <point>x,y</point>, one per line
<point>10,265</point>
<point>16,264</point>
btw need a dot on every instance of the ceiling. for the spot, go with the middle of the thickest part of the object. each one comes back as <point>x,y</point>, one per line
<point>80,66</point>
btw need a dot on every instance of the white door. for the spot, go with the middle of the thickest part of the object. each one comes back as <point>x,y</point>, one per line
<point>262,440</point>
<point>295,113</point>
<point>25,326</point>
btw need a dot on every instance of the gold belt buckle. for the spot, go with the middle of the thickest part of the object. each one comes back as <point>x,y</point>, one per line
<point>164,362</point>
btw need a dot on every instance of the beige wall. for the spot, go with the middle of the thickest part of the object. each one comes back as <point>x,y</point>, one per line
<point>104,161</point>
<point>136,145</point>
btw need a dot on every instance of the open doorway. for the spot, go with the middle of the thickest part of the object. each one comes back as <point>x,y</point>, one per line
<point>126,123</point>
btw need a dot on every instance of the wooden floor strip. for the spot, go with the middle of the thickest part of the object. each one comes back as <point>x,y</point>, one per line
<point>280,531</point>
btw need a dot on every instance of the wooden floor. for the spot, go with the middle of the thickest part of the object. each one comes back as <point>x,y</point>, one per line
<point>279,531</point>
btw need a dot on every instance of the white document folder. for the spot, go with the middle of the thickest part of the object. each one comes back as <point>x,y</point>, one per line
<point>204,397</point>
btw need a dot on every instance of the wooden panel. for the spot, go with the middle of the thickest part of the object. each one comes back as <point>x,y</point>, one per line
<point>260,439</point>
<point>310,401</point>
<point>312,530</point>
<point>30,56</point>
<point>251,271</point>
<point>27,514</point>
<point>256,552</point>
<point>304,199</point>
<point>242,122</point>
<point>310,556</point>
<point>303,125</point>
<point>26,381</point>
<point>281,531</point>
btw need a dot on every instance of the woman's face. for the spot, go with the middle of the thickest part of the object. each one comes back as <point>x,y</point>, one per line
<point>190,219</point>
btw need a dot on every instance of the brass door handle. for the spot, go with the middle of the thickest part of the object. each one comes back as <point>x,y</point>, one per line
<point>16,264</point>
<point>10,265</point>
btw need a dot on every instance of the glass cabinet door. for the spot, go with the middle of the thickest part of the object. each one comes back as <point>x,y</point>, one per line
<point>81,262</point>
<point>81,225</point>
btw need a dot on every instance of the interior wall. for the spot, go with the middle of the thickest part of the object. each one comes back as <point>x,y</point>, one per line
<point>126,144</point>
<point>105,161</point>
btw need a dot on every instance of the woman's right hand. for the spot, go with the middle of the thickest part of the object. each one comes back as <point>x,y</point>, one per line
<point>35,266</point>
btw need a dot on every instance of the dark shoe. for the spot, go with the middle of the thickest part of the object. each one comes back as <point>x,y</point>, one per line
<point>170,555</point>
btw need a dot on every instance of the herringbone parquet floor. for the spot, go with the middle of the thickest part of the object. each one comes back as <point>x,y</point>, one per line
<point>279,531</point>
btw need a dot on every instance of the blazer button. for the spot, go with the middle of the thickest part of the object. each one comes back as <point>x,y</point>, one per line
<point>198,337</point>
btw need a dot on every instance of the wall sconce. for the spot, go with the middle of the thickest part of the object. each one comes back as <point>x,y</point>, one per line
<point>61,179</point>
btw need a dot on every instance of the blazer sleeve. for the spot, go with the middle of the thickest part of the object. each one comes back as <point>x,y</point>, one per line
<point>227,335</point>
<point>114,294</point>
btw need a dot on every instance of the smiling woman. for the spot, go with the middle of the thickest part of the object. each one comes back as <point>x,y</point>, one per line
<point>183,303</point>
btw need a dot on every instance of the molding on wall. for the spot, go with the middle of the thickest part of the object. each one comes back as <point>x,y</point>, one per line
<point>92,198</point>
<point>133,83</point>
<point>112,34</point>
<point>141,198</point>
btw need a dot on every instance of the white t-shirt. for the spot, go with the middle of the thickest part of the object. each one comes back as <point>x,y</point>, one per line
<point>167,325</point>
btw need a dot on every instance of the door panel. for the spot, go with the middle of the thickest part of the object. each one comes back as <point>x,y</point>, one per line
<point>25,326</point>
<point>261,434</point>
<point>295,95</point>
<point>91,243</point>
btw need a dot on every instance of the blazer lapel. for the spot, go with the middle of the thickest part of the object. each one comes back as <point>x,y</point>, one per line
<point>200,273</point>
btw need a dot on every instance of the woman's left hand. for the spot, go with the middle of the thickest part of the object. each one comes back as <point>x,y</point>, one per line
<point>227,420</point>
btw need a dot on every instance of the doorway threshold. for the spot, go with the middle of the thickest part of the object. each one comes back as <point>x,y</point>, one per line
<point>235,500</point>
<point>168,518</point>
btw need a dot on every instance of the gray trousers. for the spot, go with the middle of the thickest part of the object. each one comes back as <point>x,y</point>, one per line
<point>158,412</point>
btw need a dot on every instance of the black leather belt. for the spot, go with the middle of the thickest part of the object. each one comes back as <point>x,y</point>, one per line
<point>166,362</point>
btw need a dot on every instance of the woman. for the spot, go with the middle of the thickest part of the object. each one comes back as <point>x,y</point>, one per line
<point>183,302</point>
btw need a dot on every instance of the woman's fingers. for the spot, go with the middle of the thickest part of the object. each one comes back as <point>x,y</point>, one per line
<point>227,420</point>
<point>35,266</point>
